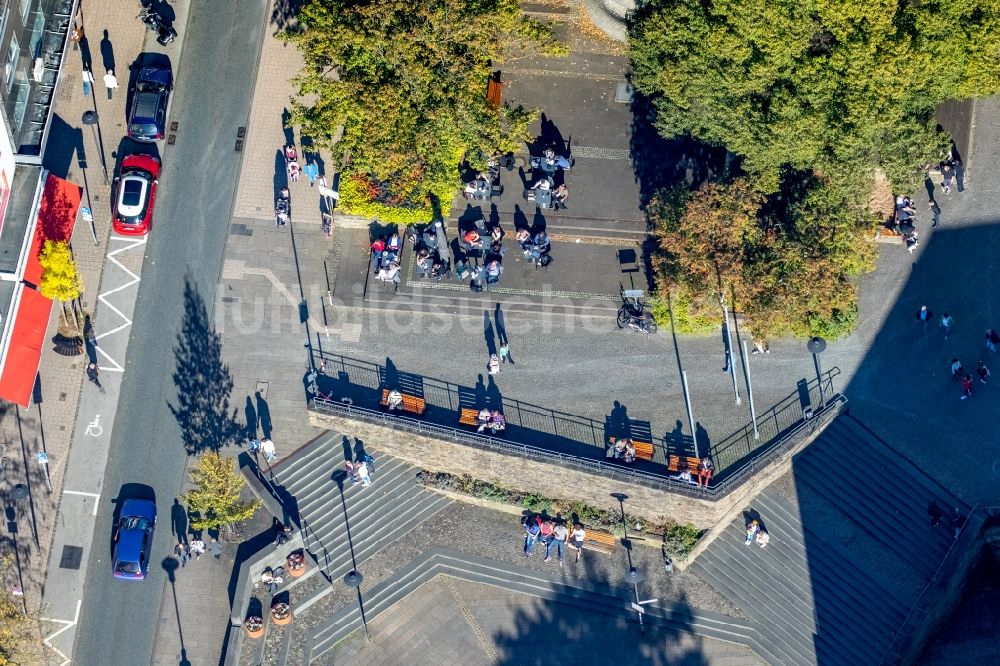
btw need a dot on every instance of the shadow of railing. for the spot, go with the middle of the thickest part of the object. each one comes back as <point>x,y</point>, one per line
<point>737,449</point>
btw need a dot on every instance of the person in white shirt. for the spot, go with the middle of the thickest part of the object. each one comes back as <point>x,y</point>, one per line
<point>267,446</point>
<point>576,539</point>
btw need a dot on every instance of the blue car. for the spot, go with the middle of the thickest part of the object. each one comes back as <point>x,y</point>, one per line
<point>134,539</point>
<point>148,119</point>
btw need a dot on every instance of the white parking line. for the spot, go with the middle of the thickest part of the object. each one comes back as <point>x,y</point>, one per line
<point>67,624</point>
<point>131,243</point>
<point>96,496</point>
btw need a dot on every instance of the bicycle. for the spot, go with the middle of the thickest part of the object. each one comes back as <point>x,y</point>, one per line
<point>633,314</point>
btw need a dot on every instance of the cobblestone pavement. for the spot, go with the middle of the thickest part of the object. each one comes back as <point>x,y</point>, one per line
<point>449,621</point>
<point>47,425</point>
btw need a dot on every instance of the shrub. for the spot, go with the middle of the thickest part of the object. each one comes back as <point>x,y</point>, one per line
<point>679,539</point>
<point>687,319</point>
<point>537,503</point>
<point>354,200</point>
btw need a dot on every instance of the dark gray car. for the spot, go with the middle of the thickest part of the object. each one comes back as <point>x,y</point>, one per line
<point>148,118</point>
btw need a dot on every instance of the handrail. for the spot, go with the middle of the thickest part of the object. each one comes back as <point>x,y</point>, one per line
<point>657,481</point>
<point>933,579</point>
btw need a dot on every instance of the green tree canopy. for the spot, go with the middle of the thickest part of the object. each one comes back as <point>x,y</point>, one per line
<point>838,87</point>
<point>407,82</point>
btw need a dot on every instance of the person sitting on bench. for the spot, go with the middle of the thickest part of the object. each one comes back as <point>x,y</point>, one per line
<point>629,451</point>
<point>705,470</point>
<point>483,419</point>
<point>684,476</point>
<point>497,421</point>
<point>621,446</point>
<point>395,400</point>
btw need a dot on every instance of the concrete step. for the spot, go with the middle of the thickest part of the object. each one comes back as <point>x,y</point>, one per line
<point>897,522</point>
<point>402,524</point>
<point>595,598</point>
<point>843,577</point>
<point>893,459</point>
<point>288,471</point>
<point>314,494</point>
<point>783,631</point>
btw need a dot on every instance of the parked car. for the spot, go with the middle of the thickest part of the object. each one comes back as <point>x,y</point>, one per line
<point>134,539</point>
<point>148,119</point>
<point>135,194</point>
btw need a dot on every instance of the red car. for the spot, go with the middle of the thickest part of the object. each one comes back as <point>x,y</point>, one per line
<point>135,194</point>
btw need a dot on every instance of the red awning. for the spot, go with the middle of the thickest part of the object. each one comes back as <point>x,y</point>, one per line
<point>56,217</point>
<point>25,348</point>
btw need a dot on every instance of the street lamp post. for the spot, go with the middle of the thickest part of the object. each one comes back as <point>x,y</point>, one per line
<point>816,345</point>
<point>633,576</point>
<point>353,579</point>
<point>91,118</point>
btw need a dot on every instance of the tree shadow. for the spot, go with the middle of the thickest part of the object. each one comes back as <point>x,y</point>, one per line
<point>283,14</point>
<point>203,382</point>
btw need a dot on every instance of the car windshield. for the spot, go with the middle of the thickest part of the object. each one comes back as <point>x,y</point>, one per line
<point>127,567</point>
<point>134,523</point>
<point>148,86</point>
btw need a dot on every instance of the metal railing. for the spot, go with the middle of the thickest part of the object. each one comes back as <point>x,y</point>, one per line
<point>657,481</point>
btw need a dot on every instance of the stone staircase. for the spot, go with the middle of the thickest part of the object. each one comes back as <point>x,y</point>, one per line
<point>851,547</point>
<point>376,516</point>
<point>596,598</point>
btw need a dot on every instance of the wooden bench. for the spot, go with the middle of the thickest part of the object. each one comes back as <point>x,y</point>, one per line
<point>675,465</point>
<point>411,403</point>
<point>643,450</point>
<point>469,417</point>
<point>604,542</point>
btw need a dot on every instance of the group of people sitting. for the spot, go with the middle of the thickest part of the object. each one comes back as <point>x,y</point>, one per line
<point>430,262</point>
<point>623,449</point>
<point>544,170</point>
<point>756,533</point>
<point>906,220</point>
<point>703,474</point>
<point>535,246</point>
<point>385,257</point>
<point>492,419</point>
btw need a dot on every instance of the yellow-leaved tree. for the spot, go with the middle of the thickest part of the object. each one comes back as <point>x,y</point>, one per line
<point>60,280</point>
<point>215,500</point>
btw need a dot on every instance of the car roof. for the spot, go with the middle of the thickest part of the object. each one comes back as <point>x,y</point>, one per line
<point>140,508</point>
<point>129,546</point>
<point>155,74</point>
<point>145,105</point>
<point>139,161</point>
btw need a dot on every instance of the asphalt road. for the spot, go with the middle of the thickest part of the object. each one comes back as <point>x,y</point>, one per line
<point>118,621</point>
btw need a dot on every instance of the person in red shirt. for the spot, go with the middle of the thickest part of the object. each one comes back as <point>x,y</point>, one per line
<point>378,247</point>
<point>966,386</point>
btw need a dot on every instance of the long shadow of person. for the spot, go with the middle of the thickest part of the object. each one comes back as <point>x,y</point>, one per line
<point>494,216</point>
<point>702,439</point>
<point>250,414</point>
<point>538,222</point>
<point>286,118</point>
<point>263,415</point>
<point>491,342</point>
<point>494,399</point>
<point>359,449</point>
<point>346,444</point>
<point>480,391</point>
<point>179,521</point>
<point>85,57</point>
<point>501,328</point>
<point>678,443</point>
<point>550,137</point>
<point>520,219</point>
<point>107,53</point>
<point>391,374</point>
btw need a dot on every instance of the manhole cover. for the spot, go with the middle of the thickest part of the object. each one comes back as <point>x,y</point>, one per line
<point>71,557</point>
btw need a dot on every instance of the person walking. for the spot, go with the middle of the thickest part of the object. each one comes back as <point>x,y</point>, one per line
<point>197,548</point>
<point>924,316</point>
<point>966,387</point>
<point>110,82</point>
<point>532,528</point>
<point>558,541</point>
<point>311,170</point>
<point>576,540</point>
<point>92,375</point>
<point>493,366</point>
<point>505,353</point>
<point>267,446</point>
<point>956,368</point>
<point>935,212</point>
<point>216,549</point>
<point>992,340</point>
<point>983,372</point>
<point>362,469</point>
<point>947,321</point>
<point>182,553</point>
<point>352,471</point>
<point>947,176</point>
